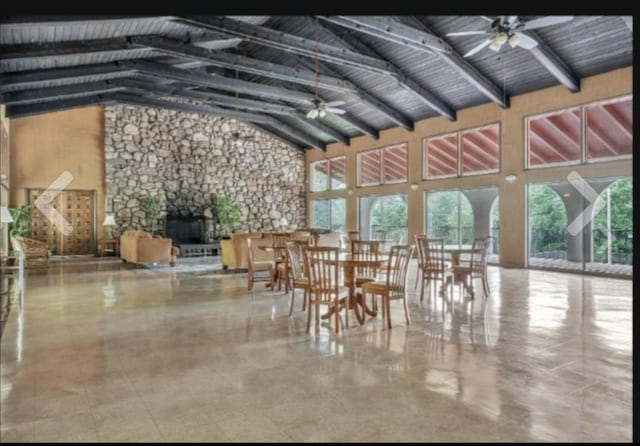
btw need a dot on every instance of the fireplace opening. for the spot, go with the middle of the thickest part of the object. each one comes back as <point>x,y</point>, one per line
<point>185,230</point>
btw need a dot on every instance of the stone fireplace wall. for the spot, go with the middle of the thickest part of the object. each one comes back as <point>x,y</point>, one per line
<point>187,159</point>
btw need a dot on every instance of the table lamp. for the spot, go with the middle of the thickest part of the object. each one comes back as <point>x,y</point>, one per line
<point>109,221</point>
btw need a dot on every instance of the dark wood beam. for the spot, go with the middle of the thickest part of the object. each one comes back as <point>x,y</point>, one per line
<point>58,93</point>
<point>50,49</point>
<point>183,90</point>
<point>278,135</point>
<point>216,81</point>
<point>242,63</point>
<point>358,123</point>
<point>394,30</point>
<point>25,79</point>
<point>344,139</point>
<point>406,81</point>
<point>381,106</point>
<point>552,62</point>
<point>189,108</point>
<point>262,35</point>
<point>19,111</point>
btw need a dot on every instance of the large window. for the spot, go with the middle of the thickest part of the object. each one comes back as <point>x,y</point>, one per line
<point>328,174</point>
<point>590,133</point>
<point>384,217</point>
<point>470,152</point>
<point>383,166</point>
<point>329,214</point>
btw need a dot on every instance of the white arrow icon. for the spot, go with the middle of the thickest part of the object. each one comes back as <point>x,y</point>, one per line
<point>43,203</point>
<point>590,194</point>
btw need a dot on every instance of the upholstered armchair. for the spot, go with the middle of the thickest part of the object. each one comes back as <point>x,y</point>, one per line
<point>141,247</point>
<point>35,252</point>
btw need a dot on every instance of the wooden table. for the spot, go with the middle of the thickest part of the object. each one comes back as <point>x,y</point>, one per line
<point>103,244</point>
<point>356,300</point>
<point>455,251</point>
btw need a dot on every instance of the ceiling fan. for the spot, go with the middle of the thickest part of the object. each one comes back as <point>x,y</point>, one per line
<point>321,108</point>
<point>508,29</point>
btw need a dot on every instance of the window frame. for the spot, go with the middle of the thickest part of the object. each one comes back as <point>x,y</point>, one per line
<point>381,173</point>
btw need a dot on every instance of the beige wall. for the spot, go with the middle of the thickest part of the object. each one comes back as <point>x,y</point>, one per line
<point>44,146</point>
<point>512,197</point>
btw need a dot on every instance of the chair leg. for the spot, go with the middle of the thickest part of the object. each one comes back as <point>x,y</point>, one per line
<point>485,286</point>
<point>293,295</point>
<point>305,296</point>
<point>317,314</point>
<point>249,281</point>
<point>337,306</point>
<point>406,309</point>
<point>309,317</point>
<point>387,304</point>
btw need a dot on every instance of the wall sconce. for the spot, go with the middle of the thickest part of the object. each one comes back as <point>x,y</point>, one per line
<point>350,192</point>
<point>414,186</point>
<point>510,179</point>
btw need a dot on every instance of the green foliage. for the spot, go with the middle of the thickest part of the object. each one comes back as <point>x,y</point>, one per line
<point>151,207</point>
<point>443,217</point>
<point>547,220</point>
<point>21,220</point>
<point>228,214</point>
<point>621,218</point>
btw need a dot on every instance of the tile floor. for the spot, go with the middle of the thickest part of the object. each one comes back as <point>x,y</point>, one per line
<point>102,352</point>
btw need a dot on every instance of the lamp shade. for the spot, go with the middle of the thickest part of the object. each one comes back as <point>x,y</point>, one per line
<point>109,220</point>
<point>5,215</point>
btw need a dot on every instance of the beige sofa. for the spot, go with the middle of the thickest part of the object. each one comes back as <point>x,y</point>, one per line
<point>140,247</point>
<point>234,250</point>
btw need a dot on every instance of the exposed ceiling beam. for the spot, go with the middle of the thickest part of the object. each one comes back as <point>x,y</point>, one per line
<point>25,79</point>
<point>216,81</point>
<point>461,65</point>
<point>372,100</point>
<point>298,134</point>
<point>243,63</point>
<point>17,21</point>
<point>394,31</point>
<point>182,90</point>
<point>57,93</point>
<point>278,135</point>
<point>291,43</point>
<point>553,63</point>
<point>323,128</point>
<point>50,49</point>
<point>189,108</point>
<point>406,81</point>
<point>19,111</point>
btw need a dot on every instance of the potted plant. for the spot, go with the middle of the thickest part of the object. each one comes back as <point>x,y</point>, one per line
<point>151,207</point>
<point>21,221</point>
<point>227,214</point>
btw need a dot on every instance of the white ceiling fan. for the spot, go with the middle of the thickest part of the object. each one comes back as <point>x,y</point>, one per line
<point>508,29</point>
<point>321,108</point>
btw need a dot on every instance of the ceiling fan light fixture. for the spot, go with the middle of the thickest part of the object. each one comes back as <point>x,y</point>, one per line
<point>514,40</point>
<point>499,40</point>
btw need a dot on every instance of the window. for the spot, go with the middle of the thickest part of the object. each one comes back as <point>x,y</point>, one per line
<point>384,217</point>
<point>328,174</point>
<point>329,214</point>
<point>469,152</point>
<point>590,133</point>
<point>383,166</point>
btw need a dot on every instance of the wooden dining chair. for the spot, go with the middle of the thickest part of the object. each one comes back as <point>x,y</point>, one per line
<point>395,285</point>
<point>297,275</point>
<point>280,253</point>
<point>365,250</point>
<point>431,263</point>
<point>325,289</point>
<point>256,266</point>
<point>477,266</point>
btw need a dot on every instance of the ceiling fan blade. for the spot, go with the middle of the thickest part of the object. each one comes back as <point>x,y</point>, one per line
<point>337,111</point>
<point>467,33</point>
<point>334,103</point>
<point>525,41</point>
<point>487,18</point>
<point>313,113</point>
<point>477,48</point>
<point>546,21</point>
<point>512,19</point>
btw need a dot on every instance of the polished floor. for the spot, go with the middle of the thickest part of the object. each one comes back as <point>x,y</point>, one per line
<point>102,352</point>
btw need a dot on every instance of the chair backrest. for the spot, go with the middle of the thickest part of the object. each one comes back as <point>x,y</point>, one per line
<point>353,235</point>
<point>379,234</point>
<point>324,271</point>
<point>397,267</point>
<point>365,250</point>
<point>279,243</point>
<point>331,239</point>
<point>295,257</point>
<point>480,254</point>
<point>430,253</point>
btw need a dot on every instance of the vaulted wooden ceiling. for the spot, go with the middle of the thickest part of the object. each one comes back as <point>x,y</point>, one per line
<point>267,70</point>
